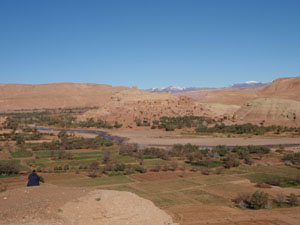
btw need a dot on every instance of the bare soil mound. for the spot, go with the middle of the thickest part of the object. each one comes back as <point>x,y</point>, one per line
<point>49,204</point>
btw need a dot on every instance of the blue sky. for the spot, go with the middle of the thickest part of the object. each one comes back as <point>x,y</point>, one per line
<point>153,43</point>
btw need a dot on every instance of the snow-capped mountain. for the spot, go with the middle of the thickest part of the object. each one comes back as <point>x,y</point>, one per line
<point>250,84</point>
<point>172,89</point>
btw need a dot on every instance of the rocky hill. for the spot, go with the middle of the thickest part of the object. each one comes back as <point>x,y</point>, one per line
<point>131,105</point>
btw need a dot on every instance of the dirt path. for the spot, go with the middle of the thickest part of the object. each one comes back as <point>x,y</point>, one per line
<point>158,137</point>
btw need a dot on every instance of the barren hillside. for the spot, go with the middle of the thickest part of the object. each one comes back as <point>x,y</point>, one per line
<point>288,88</point>
<point>270,111</point>
<point>23,96</point>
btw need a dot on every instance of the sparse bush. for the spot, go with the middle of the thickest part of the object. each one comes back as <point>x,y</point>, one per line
<point>231,161</point>
<point>156,168</point>
<point>259,200</point>
<point>66,167</point>
<point>173,166</point>
<point>280,199</point>
<point>119,167</point>
<point>165,168</point>
<point>219,170</point>
<point>106,157</point>
<point>292,199</point>
<point>205,171</point>
<point>8,167</point>
<point>140,169</point>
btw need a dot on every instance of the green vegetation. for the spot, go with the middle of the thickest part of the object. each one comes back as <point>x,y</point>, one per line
<point>60,117</point>
<point>179,122</point>
<point>9,167</point>
<point>245,129</point>
<point>21,154</point>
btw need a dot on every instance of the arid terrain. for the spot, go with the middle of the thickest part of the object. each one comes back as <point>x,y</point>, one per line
<point>277,103</point>
<point>119,155</point>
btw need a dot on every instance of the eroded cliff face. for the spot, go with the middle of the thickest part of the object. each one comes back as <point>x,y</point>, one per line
<point>270,111</point>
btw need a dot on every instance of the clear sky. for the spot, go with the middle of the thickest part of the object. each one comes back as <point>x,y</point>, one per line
<point>149,43</point>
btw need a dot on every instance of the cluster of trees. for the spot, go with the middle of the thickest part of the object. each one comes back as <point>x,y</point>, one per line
<point>179,122</point>
<point>9,167</point>
<point>244,129</point>
<point>20,138</point>
<point>282,181</point>
<point>217,156</point>
<point>61,117</point>
<point>94,169</point>
<point>262,200</point>
<point>292,157</point>
<point>67,143</point>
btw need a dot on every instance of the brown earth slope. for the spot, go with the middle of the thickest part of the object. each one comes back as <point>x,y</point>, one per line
<point>23,96</point>
<point>271,110</point>
<point>49,204</point>
<point>288,88</point>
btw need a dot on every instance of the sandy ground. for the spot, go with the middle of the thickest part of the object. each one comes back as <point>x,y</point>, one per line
<point>158,137</point>
<point>49,204</point>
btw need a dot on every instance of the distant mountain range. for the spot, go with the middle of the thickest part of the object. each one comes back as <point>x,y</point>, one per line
<point>175,89</point>
<point>172,89</point>
<point>250,84</point>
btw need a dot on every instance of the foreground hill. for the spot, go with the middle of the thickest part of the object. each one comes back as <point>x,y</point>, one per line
<point>49,204</point>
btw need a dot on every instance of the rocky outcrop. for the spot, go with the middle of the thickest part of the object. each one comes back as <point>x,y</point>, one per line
<point>129,106</point>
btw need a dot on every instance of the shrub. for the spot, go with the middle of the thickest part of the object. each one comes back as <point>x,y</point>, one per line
<point>280,199</point>
<point>165,168</point>
<point>119,167</point>
<point>173,166</point>
<point>106,157</point>
<point>156,168</point>
<point>129,171</point>
<point>231,161</point>
<point>259,200</point>
<point>242,200</point>
<point>66,167</point>
<point>9,167</point>
<point>205,171</point>
<point>219,170</point>
<point>140,169</point>
<point>292,199</point>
